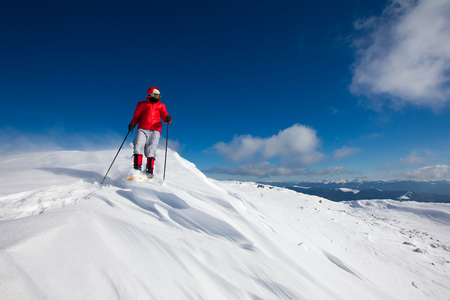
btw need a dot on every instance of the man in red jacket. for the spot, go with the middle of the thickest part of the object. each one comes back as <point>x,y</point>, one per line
<point>148,115</point>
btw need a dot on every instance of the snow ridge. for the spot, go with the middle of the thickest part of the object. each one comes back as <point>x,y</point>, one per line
<point>65,236</point>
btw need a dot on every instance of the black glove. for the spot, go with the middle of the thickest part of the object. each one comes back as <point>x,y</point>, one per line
<point>131,126</point>
<point>169,119</point>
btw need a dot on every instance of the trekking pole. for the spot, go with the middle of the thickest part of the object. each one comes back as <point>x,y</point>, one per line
<point>165,159</point>
<point>129,130</point>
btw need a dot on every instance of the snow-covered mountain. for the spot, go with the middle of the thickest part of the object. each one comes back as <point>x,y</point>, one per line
<point>431,187</point>
<point>65,236</point>
<point>346,190</point>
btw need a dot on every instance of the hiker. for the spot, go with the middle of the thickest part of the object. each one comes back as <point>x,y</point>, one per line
<point>148,115</point>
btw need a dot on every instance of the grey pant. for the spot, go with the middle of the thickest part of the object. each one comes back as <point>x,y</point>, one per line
<point>146,142</point>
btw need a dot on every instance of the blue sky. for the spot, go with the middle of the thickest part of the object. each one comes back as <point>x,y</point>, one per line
<point>274,90</point>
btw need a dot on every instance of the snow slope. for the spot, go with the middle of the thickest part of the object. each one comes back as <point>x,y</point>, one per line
<point>65,236</point>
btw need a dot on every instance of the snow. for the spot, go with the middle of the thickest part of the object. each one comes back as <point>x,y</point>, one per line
<point>405,196</point>
<point>346,190</point>
<point>302,187</point>
<point>65,236</point>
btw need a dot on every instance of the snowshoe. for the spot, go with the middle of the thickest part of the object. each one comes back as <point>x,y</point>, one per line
<point>137,175</point>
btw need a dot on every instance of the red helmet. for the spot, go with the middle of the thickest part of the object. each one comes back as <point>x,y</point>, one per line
<point>153,91</point>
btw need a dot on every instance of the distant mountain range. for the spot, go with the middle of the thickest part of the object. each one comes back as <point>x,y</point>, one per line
<point>357,189</point>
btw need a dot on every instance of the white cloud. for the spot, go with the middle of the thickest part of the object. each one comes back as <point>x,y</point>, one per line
<point>345,152</point>
<point>13,141</point>
<point>172,144</point>
<point>296,145</point>
<point>329,171</point>
<point>334,110</point>
<point>411,160</point>
<point>404,54</point>
<point>261,169</point>
<point>429,172</point>
<point>241,148</point>
<point>266,169</point>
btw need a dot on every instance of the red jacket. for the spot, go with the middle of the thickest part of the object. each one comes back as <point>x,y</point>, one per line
<point>149,115</point>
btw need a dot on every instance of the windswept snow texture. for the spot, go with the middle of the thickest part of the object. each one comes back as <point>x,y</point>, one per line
<point>65,236</point>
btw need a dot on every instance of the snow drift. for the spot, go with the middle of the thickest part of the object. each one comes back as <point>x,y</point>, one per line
<point>65,236</point>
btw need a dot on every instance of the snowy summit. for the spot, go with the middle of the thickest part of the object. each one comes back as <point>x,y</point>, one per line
<point>65,236</point>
